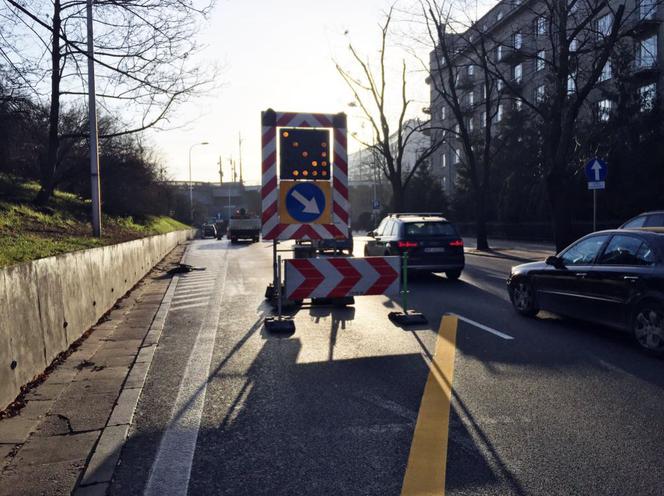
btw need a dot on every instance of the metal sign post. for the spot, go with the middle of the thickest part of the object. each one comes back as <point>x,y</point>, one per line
<point>595,170</point>
<point>406,317</point>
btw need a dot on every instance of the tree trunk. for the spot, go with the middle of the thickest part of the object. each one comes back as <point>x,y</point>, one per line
<point>480,223</point>
<point>397,195</point>
<point>48,166</point>
<point>561,215</point>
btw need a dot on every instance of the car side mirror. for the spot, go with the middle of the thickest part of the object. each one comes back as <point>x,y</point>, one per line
<point>554,261</point>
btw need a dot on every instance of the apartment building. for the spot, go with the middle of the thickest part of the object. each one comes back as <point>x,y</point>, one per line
<point>520,42</point>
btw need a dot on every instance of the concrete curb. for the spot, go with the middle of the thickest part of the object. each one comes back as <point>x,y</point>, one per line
<point>100,468</point>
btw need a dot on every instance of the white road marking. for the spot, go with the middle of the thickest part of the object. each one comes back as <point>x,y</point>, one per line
<point>192,305</point>
<point>179,300</point>
<point>171,470</point>
<point>483,327</point>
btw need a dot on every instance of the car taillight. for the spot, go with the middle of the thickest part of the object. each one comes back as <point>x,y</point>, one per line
<point>456,243</point>
<point>406,244</point>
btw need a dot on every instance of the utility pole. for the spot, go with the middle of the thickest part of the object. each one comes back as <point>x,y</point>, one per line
<point>221,172</point>
<point>94,140</point>
<point>240,144</point>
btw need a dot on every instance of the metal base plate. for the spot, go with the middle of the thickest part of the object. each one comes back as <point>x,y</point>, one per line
<point>407,319</point>
<point>279,326</point>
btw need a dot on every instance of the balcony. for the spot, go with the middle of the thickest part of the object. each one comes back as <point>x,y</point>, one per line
<point>646,19</point>
<point>512,55</point>
<point>466,82</point>
<point>645,69</point>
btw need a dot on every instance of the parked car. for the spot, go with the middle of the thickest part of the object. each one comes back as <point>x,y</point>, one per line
<point>208,230</point>
<point>432,242</point>
<point>614,278</point>
<point>653,221</point>
<point>335,246</point>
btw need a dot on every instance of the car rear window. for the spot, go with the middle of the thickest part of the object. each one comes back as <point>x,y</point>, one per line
<point>430,229</point>
<point>655,220</point>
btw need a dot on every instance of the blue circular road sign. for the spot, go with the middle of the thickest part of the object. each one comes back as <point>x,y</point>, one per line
<point>305,202</point>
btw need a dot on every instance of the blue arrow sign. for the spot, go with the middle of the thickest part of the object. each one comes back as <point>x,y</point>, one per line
<point>596,170</point>
<point>305,202</point>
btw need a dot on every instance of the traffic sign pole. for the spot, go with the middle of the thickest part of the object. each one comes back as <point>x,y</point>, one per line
<point>596,170</point>
<point>594,210</point>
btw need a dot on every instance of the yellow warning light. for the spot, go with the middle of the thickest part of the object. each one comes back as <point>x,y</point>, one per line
<point>296,144</point>
<point>314,173</point>
<point>324,173</point>
<point>305,154</point>
<point>285,134</point>
<point>314,163</point>
<point>323,163</point>
<point>324,154</point>
<point>305,172</point>
<point>323,144</point>
<point>296,173</point>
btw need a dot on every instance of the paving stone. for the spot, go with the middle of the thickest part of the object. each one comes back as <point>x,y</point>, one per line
<point>46,391</point>
<point>106,454</point>
<point>55,449</point>
<point>124,360</point>
<point>36,409</point>
<point>52,479</point>
<point>136,377</point>
<point>16,430</point>
<point>85,410</point>
<point>124,344</point>
<point>61,375</point>
<point>99,371</point>
<point>124,408</point>
<point>146,353</point>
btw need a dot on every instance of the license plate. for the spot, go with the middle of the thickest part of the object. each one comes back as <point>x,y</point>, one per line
<point>434,250</point>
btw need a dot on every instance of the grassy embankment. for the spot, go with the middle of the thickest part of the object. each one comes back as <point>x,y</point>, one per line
<point>28,232</point>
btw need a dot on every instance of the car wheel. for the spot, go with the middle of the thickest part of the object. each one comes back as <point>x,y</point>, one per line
<point>453,274</point>
<point>648,327</point>
<point>523,298</point>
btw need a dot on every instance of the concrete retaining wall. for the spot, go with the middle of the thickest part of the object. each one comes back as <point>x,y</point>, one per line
<point>48,304</point>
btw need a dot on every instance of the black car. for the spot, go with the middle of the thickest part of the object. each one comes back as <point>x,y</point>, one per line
<point>615,278</point>
<point>648,220</point>
<point>433,243</point>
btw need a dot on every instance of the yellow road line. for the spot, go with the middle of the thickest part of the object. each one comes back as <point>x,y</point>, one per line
<point>425,473</point>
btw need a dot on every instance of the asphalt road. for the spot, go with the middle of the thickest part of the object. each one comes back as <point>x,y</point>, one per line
<point>539,406</point>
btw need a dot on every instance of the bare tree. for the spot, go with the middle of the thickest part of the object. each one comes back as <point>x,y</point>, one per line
<point>391,137</point>
<point>459,60</point>
<point>143,54</point>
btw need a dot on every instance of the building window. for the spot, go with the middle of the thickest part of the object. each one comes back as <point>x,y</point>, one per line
<point>540,27</point>
<point>484,91</point>
<point>471,70</point>
<point>444,162</point>
<point>646,53</point>
<point>573,45</point>
<point>500,52</point>
<point>540,93</point>
<point>442,113</point>
<point>604,25</point>
<point>500,84</point>
<point>518,73</point>
<point>647,9</point>
<point>539,62</point>
<point>483,119</point>
<point>647,95</point>
<point>606,73</point>
<point>518,41</point>
<point>518,104</point>
<point>499,16</point>
<point>604,110</point>
<point>471,125</point>
<point>571,83</point>
<point>471,98</point>
<point>499,114</point>
<point>456,128</point>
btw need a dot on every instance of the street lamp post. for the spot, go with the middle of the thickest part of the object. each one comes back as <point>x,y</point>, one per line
<point>191,191</point>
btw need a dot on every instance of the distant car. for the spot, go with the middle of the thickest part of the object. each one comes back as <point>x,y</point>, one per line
<point>652,221</point>
<point>208,230</point>
<point>335,245</point>
<point>432,242</point>
<point>614,277</point>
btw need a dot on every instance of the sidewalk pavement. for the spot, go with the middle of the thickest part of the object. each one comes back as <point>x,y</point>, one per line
<point>520,251</point>
<point>79,415</point>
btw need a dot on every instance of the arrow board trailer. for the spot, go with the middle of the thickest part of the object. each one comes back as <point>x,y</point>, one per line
<point>304,190</point>
<point>340,277</point>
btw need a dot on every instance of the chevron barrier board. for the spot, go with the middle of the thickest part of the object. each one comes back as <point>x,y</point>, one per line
<point>337,277</point>
<point>310,166</point>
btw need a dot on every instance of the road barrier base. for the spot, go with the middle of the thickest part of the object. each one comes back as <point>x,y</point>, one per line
<point>337,302</point>
<point>407,319</point>
<point>278,325</point>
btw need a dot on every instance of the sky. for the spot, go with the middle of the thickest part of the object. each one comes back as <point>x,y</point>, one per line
<point>276,55</point>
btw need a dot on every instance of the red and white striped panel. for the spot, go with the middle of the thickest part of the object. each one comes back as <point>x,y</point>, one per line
<point>336,277</point>
<point>272,227</point>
